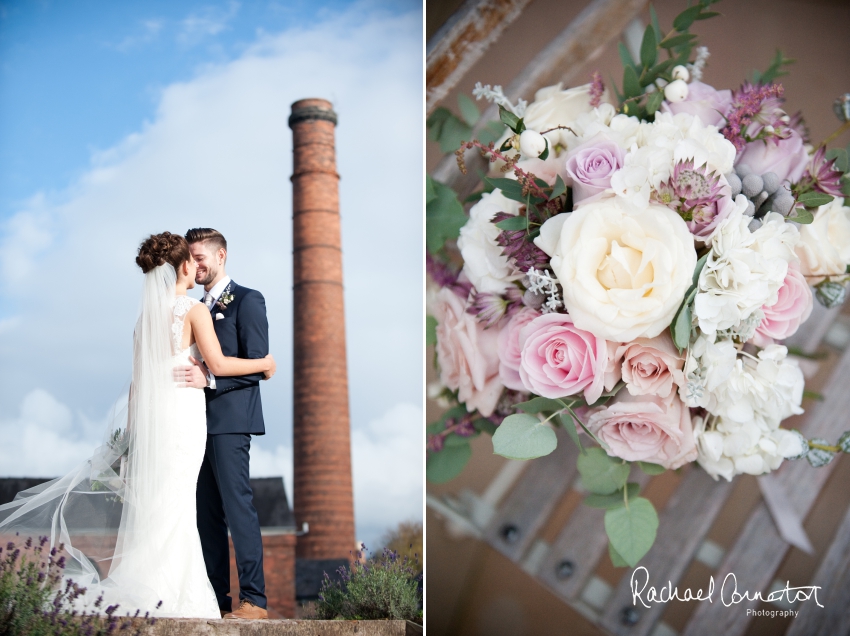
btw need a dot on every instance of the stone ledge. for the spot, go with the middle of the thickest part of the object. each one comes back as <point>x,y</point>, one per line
<point>207,627</point>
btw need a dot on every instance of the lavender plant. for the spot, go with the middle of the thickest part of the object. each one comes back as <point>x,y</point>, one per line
<point>34,601</point>
<point>372,589</point>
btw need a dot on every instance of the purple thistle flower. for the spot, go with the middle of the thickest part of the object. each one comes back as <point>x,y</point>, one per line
<point>693,193</point>
<point>821,175</point>
<point>435,443</point>
<point>491,308</point>
<point>519,248</point>
<point>754,109</point>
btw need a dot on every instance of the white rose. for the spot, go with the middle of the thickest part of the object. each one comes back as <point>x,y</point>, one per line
<point>483,263</point>
<point>824,247</point>
<point>553,107</point>
<point>624,270</point>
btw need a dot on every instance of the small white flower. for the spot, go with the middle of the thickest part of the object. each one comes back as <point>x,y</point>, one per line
<point>676,91</point>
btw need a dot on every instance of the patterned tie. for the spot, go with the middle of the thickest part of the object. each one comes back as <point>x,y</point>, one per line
<point>208,300</point>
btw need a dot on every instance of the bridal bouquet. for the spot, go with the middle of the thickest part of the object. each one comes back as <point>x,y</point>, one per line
<point>629,273</point>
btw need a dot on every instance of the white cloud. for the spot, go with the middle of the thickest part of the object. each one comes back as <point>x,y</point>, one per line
<point>148,31</point>
<point>218,154</point>
<point>209,21</point>
<point>276,463</point>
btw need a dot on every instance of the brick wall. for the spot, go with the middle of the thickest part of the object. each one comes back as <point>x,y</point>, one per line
<point>279,570</point>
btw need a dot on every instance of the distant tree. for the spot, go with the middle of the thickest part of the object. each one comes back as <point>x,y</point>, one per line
<point>405,540</point>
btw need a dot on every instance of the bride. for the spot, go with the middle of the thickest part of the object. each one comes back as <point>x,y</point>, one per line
<point>126,516</point>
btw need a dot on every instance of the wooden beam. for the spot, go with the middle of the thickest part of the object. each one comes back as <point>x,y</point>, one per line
<point>462,41</point>
<point>584,40</point>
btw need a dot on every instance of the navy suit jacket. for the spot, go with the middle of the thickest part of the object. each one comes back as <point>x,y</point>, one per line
<point>234,405</point>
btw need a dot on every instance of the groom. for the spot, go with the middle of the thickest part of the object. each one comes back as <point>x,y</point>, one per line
<point>234,413</point>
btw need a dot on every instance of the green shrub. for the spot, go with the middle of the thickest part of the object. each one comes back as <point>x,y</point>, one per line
<point>34,601</point>
<point>384,588</point>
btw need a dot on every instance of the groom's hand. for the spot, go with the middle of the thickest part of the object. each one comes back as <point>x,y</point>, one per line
<point>194,375</point>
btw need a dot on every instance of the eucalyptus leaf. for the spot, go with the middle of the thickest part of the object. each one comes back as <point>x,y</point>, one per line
<point>818,456</point>
<point>614,500</point>
<point>682,328</point>
<point>483,425</point>
<point>452,439</point>
<point>445,465</point>
<point>651,469</point>
<point>616,559</point>
<point>468,110</point>
<point>801,216</point>
<point>539,405</point>
<point>631,529</point>
<point>601,474</point>
<point>430,331</point>
<point>844,442</point>
<point>523,436</point>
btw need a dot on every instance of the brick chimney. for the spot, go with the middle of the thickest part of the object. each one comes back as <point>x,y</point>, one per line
<point>322,448</point>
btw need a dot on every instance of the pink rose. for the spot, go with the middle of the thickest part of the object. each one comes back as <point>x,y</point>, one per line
<point>646,428</point>
<point>590,166</point>
<point>648,366</point>
<point>559,359</point>
<point>786,157</point>
<point>510,353</point>
<point>791,309</point>
<point>703,101</point>
<point>467,354</point>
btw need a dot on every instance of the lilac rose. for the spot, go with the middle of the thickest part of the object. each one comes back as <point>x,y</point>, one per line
<point>786,157</point>
<point>590,166</point>
<point>703,101</point>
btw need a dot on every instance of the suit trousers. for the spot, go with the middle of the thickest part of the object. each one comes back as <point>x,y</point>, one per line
<point>225,499</point>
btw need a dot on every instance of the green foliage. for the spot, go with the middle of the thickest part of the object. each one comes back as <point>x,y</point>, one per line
<point>539,405</point>
<point>406,540</point>
<point>377,589</point>
<point>651,469</point>
<point>523,436</point>
<point>614,500</point>
<point>774,70</point>
<point>450,131</point>
<point>631,529</point>
<point>677,45</point>
<point>510,120</point>
<point>681,326</point>
<point>35,600</point>
<point>616,559</point>
<point>430,331</point>
<point>444,215</point>
<point>600,473</point>
<point>447,463</point>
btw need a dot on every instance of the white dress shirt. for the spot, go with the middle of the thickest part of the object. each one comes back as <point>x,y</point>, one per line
<point>215,293</point>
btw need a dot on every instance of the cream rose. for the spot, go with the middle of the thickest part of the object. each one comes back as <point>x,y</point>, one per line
<point>824,246</point>
<point>553,107</point>
<point>624,270</point>
<point>467,354</point>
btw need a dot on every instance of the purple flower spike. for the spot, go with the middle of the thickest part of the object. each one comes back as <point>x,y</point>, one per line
<point>821,175</point>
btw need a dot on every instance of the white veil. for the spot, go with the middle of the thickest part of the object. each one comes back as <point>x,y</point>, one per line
<point>105,510</point>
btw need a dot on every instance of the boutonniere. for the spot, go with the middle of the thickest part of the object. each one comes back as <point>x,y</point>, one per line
<point>225,299</point>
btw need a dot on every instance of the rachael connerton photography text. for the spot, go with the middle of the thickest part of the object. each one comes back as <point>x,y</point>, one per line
<point>729,594</point>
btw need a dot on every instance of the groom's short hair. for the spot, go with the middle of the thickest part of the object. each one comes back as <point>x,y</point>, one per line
<point>212,237</point>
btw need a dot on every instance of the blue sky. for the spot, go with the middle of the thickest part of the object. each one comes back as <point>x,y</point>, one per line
<point>121,119</point>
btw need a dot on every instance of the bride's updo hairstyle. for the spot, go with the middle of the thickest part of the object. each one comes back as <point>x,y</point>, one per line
<point>159,249</point>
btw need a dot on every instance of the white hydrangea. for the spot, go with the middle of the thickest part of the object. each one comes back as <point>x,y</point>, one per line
<point>707,367</point>
<point>728,449</point>
<point>744,270</point>
<point>483,262</point>
<point>604,120</point>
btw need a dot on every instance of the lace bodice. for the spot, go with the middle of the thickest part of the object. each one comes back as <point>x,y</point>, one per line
<point>182,305</point>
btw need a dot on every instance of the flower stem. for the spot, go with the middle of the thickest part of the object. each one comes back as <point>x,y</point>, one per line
<point>839,131</point>
<point>825,447</point>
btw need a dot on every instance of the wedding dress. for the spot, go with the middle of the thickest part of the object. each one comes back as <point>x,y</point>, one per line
<point>129,511</point>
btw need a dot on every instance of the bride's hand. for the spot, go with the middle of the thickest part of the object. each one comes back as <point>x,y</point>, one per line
<point>270,372</point>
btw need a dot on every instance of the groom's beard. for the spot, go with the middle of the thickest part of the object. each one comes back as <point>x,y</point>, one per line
<point>206,279</point>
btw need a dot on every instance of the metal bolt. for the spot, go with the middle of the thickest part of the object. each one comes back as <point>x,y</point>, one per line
<point>629,616</point>
<point>565,569</point>
<point>510,533</point>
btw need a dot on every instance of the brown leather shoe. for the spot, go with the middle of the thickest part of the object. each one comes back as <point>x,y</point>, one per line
<point>223,613</point>
<point>247,610</point>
